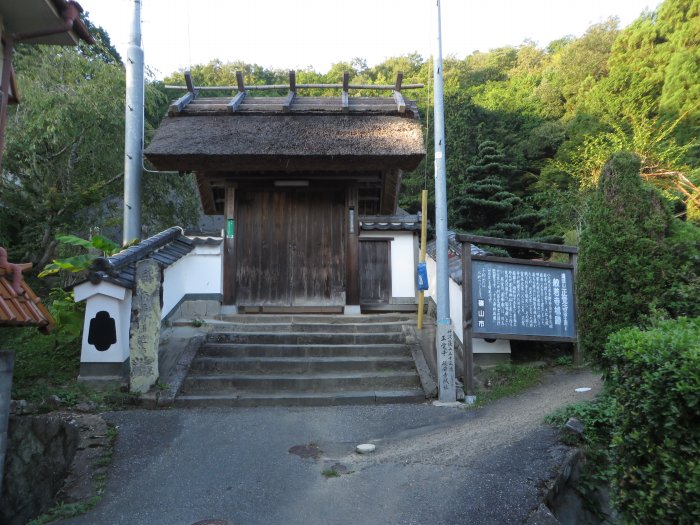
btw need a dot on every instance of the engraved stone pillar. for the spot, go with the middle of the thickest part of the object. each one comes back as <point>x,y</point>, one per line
<point>145,326</point>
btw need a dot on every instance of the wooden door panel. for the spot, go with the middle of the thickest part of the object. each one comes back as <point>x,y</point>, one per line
<point>375,272</point>
<point>318,240</point>
<point>263,249</point>
<point>291,248</point>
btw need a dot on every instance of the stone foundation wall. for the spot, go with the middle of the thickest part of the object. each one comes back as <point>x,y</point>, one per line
<point>40,450</point>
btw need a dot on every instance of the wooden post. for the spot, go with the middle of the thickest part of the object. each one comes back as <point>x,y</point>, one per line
<point>578,355</point>
<point>421,258</point>
<point>230,245</point>
<point>467,319</point>
<point>352,249</point>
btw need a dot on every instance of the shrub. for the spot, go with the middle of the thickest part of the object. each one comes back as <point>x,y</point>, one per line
<point>635,261</point>
<point>655,378</point>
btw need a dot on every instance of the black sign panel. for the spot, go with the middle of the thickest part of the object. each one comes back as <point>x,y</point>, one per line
<point>519,299</point>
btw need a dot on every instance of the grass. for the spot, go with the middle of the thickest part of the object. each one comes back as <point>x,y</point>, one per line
<point>330,473</point>
<point>506,380</point>
<point>47,365</point>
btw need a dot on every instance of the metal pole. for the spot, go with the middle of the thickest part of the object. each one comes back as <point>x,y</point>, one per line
<point>445,348</point>
<point>133,141</point>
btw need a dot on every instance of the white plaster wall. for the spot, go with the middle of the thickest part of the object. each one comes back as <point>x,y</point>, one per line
<point>479,346</point>
<point>120,311</point>
<point>199,272</point>
<point>403,262</point>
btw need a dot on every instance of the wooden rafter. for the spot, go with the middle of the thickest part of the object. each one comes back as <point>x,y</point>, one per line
<point>181,103</point>
<point>236,101</point>
<point>345,95</point>
<point>287,104</point>
<point>398,97</point>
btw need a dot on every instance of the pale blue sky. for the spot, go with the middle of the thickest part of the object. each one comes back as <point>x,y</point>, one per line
<point>316,33</point>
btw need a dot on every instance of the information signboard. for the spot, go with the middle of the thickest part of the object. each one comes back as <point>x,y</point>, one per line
<point>522,300</point>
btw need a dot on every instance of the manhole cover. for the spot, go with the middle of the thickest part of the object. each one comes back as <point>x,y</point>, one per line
<point>213,522</point>
<point>306,451</point>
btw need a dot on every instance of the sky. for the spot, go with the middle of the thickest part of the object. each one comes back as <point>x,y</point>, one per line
<point>315,34</point>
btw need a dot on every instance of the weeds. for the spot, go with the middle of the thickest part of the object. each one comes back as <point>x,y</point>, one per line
<point>506,380</point>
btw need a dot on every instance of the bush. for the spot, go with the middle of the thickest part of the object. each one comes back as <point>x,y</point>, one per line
<point>655,378</point>
<point>635,261</point>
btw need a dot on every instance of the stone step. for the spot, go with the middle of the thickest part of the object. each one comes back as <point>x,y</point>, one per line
<point>289,398</point>
<point>295,365</point>
<point>310,327</point>
<point>301,351</point>
<point>342,338</point>
<point>326,319</point>
<point>332,382</point>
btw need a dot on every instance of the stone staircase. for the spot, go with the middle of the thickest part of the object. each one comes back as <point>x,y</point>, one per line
<point>303,360</point>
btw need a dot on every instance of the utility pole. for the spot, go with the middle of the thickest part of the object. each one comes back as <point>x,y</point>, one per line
<point>133,136</point>
<point>444,338</point>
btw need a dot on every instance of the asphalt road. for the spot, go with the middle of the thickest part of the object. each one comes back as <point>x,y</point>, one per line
<point>432,464</point>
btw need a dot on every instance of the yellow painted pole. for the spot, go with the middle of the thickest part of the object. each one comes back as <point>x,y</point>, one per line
<point>421,258</point>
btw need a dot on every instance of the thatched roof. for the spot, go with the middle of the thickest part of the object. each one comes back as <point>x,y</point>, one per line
<point>287,142</point>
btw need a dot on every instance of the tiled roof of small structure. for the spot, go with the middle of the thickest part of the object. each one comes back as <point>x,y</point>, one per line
<point>22,310</point>
<point>454,255</point>
<point>390,222</point>
<point>166,247</point>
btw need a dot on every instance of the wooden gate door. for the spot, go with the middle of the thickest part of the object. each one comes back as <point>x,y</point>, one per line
<point>291,248</point>
<point>375,271</point>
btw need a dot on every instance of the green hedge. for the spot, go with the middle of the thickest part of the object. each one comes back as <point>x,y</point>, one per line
<point>655,378</point>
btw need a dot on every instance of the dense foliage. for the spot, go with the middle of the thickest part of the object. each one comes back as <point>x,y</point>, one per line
<point>656,422</point>
<point>64,154</point>
<point>635,258</point>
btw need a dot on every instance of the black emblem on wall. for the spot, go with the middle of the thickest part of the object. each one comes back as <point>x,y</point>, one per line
<point>103,331</point>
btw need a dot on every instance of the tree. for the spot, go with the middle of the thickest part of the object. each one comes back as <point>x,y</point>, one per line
<point>635,258</point>
<point>64,155</point>
<point>482,203</point>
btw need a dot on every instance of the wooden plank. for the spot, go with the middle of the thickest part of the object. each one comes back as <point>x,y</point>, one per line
<point>380,87</point>
<point>236,101</point>
<point>189,83</point>
<point>352,257</point>
<point>400,102</point>
<point>399,80</point>
<point>345,96</point>
<point>375,272</point>
<point>292,81</point>
<point>525,262</point>
<point>180,104</point>
<point>317,228</point>
<point>287,104</point>
<point>240,85</point>
<point>578,354</point>
<point>467,320</point>
<point>512,243</point>
<point>519,337</point>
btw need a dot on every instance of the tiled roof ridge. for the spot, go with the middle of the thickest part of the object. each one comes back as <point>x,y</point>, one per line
<point>166,247</point>
<point>137,252</point>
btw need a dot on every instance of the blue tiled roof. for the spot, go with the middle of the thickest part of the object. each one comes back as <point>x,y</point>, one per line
<point>454,255</point>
